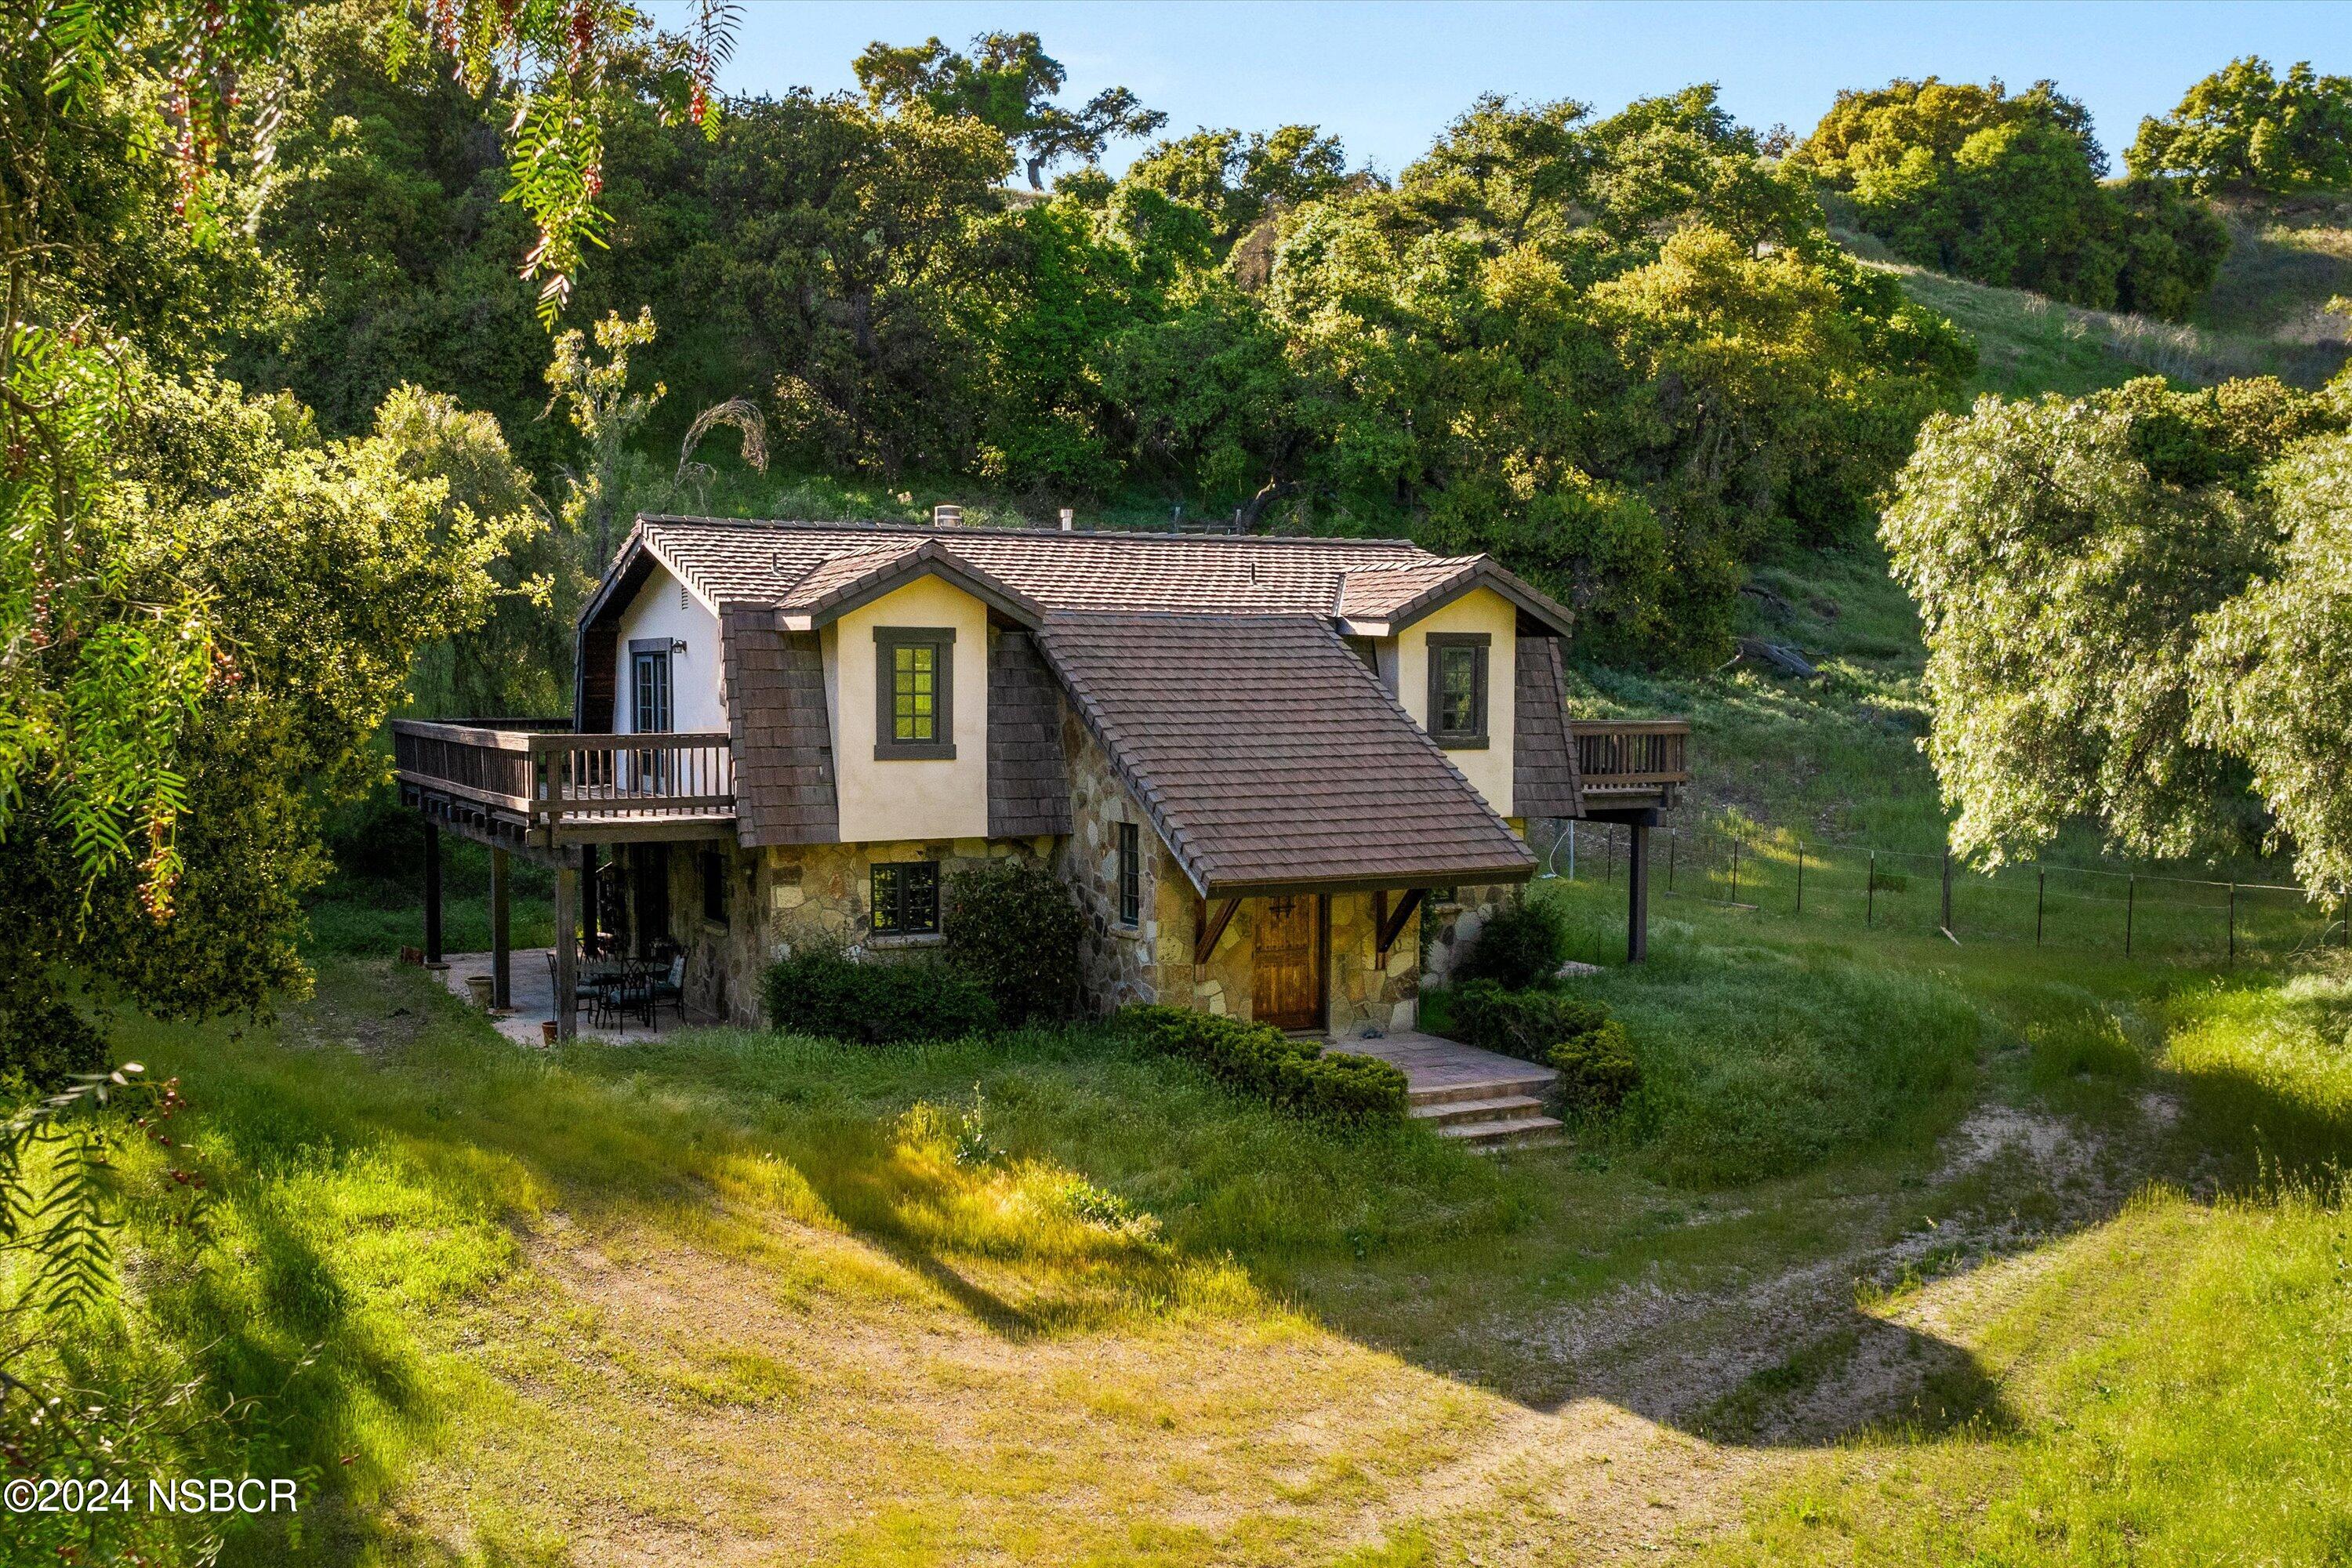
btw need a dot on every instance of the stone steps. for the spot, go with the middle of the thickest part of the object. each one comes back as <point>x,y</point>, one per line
<point>1474,1097</point>
<point>1486,1115</point>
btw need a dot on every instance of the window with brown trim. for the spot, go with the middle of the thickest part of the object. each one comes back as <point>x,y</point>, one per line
<point>1458,688</point>
<point>914,692</point>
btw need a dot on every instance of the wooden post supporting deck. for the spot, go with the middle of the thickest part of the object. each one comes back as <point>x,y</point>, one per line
<point>567,944</point>
<point>501,965</point>
<point>1638,822</point>
<point>433,894</point>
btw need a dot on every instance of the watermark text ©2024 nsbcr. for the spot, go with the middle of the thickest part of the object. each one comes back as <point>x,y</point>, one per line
<point>185,1494</point>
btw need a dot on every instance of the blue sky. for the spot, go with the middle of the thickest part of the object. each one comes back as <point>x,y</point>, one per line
<point>1387,77</point>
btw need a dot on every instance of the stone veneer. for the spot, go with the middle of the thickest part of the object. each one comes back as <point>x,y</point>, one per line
<point>781,897</point>
<point>785,896</point>
<point>1154,960</point>
<point>1454,923</point>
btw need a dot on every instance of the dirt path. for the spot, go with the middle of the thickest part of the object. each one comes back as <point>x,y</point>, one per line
<point>747,1390</point>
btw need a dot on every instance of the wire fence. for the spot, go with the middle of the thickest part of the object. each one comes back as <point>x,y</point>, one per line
<point>1903,893</point>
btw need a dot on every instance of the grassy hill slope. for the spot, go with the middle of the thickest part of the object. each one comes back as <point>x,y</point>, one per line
<point>2266,314</point>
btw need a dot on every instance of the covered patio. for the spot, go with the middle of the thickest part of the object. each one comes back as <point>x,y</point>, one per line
<point>533,788</point>
<point>531,1005</point>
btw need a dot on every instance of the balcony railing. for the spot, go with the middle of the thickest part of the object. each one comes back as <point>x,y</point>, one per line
<point>532,776</point>
<point>1619,757</point>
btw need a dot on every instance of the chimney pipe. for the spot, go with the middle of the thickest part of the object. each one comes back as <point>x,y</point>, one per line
<point>1067,518</point>
<point>947,515</point>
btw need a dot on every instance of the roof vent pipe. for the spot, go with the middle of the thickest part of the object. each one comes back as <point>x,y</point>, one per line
<point>947,516</point>
<point>1069,517</point>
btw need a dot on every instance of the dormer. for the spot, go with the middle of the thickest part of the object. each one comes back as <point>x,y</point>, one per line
<point>1444,636</point>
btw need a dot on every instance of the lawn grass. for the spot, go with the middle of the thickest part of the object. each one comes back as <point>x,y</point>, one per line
<point>2175,1374</point>
<point>1038,1298</point>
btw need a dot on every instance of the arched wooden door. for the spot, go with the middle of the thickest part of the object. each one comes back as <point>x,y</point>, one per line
<point>1287,986</point>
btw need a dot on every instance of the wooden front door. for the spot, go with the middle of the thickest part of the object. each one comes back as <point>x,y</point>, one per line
<point>1287,991</point>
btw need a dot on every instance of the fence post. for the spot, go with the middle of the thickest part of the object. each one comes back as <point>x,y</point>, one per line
<point>1946,927</point>
<point>2131,890</point>
<point>1800,876</point>
<point>1734,867</point>
<point>1870,892</point>
<point>2041,882</point>
<point>2233,924</point>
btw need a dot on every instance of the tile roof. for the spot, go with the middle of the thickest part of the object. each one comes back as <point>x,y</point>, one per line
<point>728,560</point>
<point>1270,758</point>
<point>1376,591</point>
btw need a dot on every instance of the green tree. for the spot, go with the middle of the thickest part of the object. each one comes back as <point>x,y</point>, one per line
<point>1008,82</point>
<point>2090,577</point>
<point>1239,179</point>
<point>2244,127</point>
<point>2006,190</point>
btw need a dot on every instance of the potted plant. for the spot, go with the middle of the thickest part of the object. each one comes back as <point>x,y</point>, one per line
<point>482,988</point>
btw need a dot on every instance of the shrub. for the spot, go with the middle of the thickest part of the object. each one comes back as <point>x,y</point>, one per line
<point>1521,944</point>
<point>1296,1076</point>
<point>1522,1024</point>
<point>1014,928</point>
<point>43,1043</point>
<point>1596,1068</point>
<point>823,992</point>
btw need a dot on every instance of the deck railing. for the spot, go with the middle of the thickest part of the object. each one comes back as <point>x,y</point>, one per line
<point>547,779</point>
<point>1631,756</point>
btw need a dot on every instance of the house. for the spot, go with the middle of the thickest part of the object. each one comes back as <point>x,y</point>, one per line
<point>1284,777</point>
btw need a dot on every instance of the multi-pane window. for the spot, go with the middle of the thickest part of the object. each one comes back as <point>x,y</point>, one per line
<point>914,671</point>
<point>905,898</point>
<point>1130,875</point>
<point>1457,688</point>
<point>649,708</point>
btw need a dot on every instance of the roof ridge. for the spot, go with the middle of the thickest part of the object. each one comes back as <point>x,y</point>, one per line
<point>999,531</point>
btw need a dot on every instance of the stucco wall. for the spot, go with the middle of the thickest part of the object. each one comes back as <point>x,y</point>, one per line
<point>903,799</point>
<point>696,704</point>
<point>1487,768</point>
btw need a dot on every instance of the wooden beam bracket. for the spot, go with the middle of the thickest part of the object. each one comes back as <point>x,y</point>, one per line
<point>1209,927</point>
<point>1390,922</point>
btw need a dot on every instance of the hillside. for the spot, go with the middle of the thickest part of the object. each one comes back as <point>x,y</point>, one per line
<point>2266,314</point>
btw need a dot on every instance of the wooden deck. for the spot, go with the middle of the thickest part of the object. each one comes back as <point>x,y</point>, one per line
<point>1631,764</point>
<point>528,783</point>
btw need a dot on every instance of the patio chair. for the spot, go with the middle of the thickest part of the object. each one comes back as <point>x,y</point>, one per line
<point>631,992</point>
<point>668,987</point>
<point>587,990</point>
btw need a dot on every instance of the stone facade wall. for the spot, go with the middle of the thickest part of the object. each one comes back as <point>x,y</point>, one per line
<point>785,896</point>
<point>1150,961</point>
<point>1365,996</point>
<point>1452,925</point>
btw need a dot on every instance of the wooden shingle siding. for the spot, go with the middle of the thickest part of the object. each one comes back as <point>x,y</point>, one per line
<point>783,745</point>
<point>1544,782</point>
<point>1028,785</point>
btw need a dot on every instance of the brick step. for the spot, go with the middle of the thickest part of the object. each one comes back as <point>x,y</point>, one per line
<point>1525,1132</point>
<point>1535,1082</point>
<point>1501,1108</point>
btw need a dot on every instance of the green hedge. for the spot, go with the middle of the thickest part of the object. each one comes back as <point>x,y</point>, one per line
<point>1296,1076</point>
<point>1522,944</point>
<point>1597,1070</point>
<point>1578,1039</point>
<point>822,992</point>
<point>1014,927</point>
<point>1522,1024</point>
